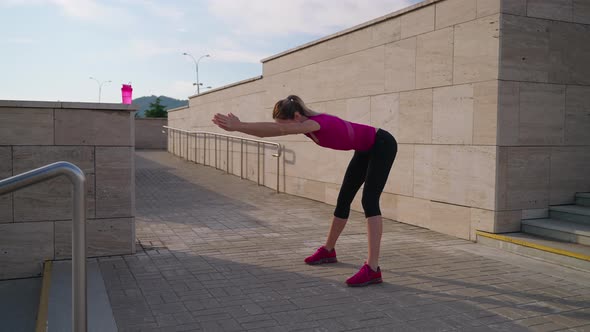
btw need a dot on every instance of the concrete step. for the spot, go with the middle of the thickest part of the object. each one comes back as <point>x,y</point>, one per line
<point>19,300</point>
<point>560,230</point>
<point>575,213</point>
<point>59,302</point>
<point>561,253</point>
<point>583,199</point>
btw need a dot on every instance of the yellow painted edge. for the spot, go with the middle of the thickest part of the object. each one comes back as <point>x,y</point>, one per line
<point>44,299</point>
<point>534,245</point>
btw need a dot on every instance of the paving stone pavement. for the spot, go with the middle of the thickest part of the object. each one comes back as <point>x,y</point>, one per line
<point>217,253</point>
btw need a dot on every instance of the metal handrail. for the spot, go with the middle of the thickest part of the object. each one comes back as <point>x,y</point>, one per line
<point>78,180</point>
<point>228,137</point>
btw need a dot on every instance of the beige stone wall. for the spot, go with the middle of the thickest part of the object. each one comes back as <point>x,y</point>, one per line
<point>148,133</point>
<point>446,78</point>
<point>428,74</point>
<point>544,113</point>
<point>35,222</point>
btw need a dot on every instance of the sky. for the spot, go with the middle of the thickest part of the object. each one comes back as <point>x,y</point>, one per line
<point>49,49</point>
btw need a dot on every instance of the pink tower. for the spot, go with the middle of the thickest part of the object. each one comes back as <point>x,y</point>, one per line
<point>126,92</point>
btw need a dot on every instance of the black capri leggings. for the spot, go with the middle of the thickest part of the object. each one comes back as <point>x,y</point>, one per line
<point>371,167</point>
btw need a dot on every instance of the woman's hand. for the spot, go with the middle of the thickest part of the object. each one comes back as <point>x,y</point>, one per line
<point>228,122</point>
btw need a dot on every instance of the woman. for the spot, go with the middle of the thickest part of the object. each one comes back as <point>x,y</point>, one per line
<point>375,151</point>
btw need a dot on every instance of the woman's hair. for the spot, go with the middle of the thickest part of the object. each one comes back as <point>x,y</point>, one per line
<point>285,108</point>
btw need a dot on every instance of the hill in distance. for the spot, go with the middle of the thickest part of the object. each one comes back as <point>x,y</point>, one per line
<point>144,103</point>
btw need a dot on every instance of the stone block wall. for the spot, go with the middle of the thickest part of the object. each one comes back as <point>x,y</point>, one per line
<point>35,222</point>
<point>443,77</point>
<point>544,105</point>
<point>148,133</point>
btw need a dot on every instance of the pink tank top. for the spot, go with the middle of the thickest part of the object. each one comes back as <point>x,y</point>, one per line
<point>339,134</point>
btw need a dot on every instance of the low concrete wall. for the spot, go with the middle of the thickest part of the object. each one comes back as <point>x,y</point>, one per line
<point>148,133</point>
<point>35,222</point>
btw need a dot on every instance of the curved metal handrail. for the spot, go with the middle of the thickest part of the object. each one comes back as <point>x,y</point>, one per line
<point>78,180</point>
<point>242,139</point>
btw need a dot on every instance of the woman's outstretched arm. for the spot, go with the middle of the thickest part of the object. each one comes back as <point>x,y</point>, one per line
<point>231,122</point>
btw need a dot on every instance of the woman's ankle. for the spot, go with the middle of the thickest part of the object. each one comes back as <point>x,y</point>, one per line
<point>373,265</point>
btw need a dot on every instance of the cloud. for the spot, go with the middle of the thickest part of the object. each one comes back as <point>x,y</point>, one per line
<point>150,48</point>
<point>84,9</point>
<point>21,41</point>
<point>156,8</point>
<point>94,9</point>
<point>224,50</point>
<point>268,20</point>
<point>22,2</point>
<point>314,17</point>
<point>160,10</point>
<point>275,19</point>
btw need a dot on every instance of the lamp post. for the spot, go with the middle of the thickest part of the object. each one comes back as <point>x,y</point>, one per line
<point>99,86</point>
<point>197,69</point>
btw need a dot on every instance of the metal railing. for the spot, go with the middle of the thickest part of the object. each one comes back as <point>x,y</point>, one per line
<point>78,180</point>
<point>177,132</point>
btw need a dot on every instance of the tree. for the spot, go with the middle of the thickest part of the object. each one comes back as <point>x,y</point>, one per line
<point>156,110</point>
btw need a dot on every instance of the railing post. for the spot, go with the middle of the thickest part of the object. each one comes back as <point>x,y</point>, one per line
<point>216,136</point>
<point>79,303</point>
<point>278,158</point>
<point>215,150</point>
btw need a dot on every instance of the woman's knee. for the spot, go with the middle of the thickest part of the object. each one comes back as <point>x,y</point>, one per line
<point>342,212</point>
<point>371,206</point>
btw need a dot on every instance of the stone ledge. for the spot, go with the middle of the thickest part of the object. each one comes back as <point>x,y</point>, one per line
<point>231,85</point>
<point>68,105</point>
<point>353,29</point>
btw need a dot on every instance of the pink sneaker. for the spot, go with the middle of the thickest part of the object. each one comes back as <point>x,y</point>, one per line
<point>365,276</point>
<point>322,256</point>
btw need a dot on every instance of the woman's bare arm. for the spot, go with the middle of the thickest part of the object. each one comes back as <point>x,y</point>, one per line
<point>264,129</point>
<point>269,129</point>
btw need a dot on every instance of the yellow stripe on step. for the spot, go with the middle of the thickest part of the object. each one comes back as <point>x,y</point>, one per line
<point>44,299</point>
<point>534,245</point>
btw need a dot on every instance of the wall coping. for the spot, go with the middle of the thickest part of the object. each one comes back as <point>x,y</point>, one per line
<point>178,108</point>
<point>68,105</point>
<point>353,29</point>
<point>248,80</point>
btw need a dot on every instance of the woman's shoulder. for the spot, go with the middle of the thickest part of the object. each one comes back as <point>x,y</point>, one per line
<point>324,115</point>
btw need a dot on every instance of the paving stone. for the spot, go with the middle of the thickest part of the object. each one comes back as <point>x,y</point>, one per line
<point>217,253</point>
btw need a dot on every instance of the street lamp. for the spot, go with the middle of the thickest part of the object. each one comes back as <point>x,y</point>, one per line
<point>99,86</point>
<point>197,69</point>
